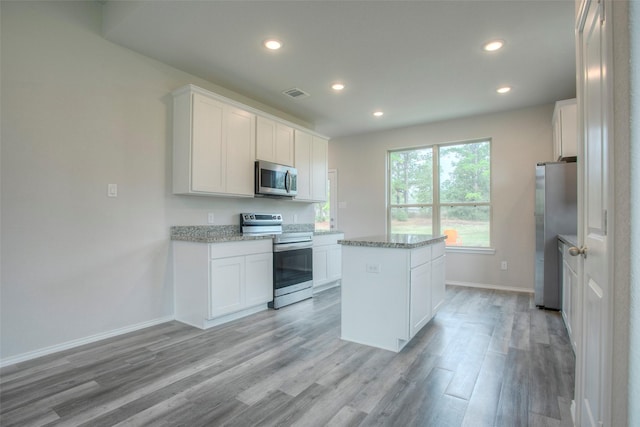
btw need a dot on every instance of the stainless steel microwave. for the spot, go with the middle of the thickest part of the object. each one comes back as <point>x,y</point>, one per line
<point>276,180</point>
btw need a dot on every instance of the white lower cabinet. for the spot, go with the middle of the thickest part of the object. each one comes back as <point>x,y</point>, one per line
<point>570,293</point>
<point>437,277</point>
<point>218,282</point>
<point>227,280</point>
<point>258,278</point>
<point>327,261</point>
<point>389,294</point>
<point>420,297</point>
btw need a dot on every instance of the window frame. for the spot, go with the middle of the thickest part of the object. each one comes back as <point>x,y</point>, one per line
<point>436,205</point>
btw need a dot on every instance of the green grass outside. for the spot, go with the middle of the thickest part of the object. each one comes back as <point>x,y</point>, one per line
<point>470,233</point>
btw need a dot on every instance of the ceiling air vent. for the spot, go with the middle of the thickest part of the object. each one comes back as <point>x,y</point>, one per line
<point>296,93</point>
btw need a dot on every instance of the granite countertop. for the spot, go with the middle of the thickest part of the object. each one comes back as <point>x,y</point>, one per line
<point>211,234</point>
<point>394,241</point>
<point>232,233</point>
<point>569,239</point>
<point>324,232</point>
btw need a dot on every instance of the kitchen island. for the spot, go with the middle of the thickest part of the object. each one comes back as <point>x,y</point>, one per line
<point>392,285</point>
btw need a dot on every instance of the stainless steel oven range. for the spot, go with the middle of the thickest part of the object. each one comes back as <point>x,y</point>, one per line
<point>292,257</point>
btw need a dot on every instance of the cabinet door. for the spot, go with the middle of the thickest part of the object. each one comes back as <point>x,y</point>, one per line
<point>319,169</point>
<point>259,279</point>
<point>226,285</point>
<point>303,144</point>
<point>265,139</point>
<point>569,120</point>
<point>574,307</point>
<point>274,142</point>
<point>240,148</point>
<point>284,145</point>
<point>208,150</point>
<point>334,263</point>
<point>438,288</point>
<point>566,296</point>
<point>320,262</point>
<point>420,310</point>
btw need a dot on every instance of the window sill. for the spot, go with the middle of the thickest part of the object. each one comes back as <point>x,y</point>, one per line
<point>469,250</point>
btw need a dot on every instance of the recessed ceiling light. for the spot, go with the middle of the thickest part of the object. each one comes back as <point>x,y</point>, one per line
<point>272,44</point>
<point>378,113</point>
<point>493,45</point>
<point>337,86</point>
<point>503,89</point>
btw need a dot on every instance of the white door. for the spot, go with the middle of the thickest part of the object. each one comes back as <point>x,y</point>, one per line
<point>593,387</point>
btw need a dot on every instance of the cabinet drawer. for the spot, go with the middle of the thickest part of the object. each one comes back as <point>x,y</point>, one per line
<point>327,239</point>
<point>437,250</point>
<point>420,256</point>
<point>231,249</point>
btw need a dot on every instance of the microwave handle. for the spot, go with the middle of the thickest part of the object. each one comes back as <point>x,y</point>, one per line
<point>287,182</point>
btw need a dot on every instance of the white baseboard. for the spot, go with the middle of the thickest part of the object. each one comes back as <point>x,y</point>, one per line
<point>486,286</point>
<point>326,286</point>
<point>81,341</point>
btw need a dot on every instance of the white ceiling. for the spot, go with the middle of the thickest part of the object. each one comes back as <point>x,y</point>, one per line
<point>418,61</point>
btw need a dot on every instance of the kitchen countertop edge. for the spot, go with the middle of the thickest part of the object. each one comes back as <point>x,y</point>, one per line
<point>231,233</point>
<point>327,232</point>
<point>569,239</point>
<point>387,241</point>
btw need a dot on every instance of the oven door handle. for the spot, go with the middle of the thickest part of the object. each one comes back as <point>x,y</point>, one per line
<point>292,246</point>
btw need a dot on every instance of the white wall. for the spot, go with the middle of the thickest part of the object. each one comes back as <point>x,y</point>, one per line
<point>79,112</point>
<point>634,268</point>
<point>520,139</point>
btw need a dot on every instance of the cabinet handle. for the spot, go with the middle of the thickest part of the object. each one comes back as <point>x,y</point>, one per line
<point>575,251</point>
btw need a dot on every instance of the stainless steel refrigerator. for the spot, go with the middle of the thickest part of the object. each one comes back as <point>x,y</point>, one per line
<point>556,213</point>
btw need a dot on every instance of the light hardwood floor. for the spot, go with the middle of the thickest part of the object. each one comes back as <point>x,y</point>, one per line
<point>488,358</point>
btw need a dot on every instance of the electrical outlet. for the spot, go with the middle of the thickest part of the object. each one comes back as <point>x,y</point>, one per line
<point>373,268</point>
<point>503,265</point>
<point>295,218</point>
<point>211,218</point>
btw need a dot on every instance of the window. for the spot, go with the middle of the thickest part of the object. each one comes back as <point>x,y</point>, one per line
<point>442,189</point>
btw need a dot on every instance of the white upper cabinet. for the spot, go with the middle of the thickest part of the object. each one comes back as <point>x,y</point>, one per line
<point>565,129</point>
<point>213,146</point>
<point>311,162</point>
<point>274,141</point>
<point>216,142</point>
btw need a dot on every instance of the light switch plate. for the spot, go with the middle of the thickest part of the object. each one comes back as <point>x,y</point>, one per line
<point>112,190</point>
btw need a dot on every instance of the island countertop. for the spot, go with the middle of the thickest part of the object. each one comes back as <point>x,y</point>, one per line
<point>394,241</point>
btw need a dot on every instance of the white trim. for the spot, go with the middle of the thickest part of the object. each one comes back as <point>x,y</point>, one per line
<point>487,286</point>
<point>326,286</point>
<point>81,341</point>
<point>209,323</point>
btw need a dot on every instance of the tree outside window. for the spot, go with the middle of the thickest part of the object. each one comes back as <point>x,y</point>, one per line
<point>455,201</point>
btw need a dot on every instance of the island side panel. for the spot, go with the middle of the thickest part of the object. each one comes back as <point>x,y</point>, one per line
<point>375,296</point>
